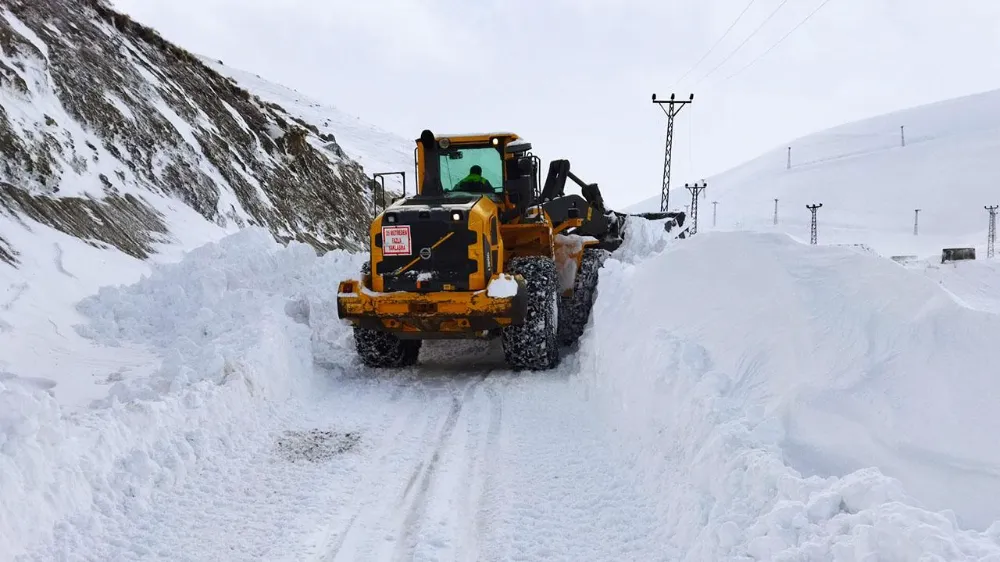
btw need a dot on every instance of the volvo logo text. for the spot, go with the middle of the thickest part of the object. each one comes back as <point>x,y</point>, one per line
<point>425,253</point>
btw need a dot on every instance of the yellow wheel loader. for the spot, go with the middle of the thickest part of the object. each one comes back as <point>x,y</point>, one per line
<point>482,250</point>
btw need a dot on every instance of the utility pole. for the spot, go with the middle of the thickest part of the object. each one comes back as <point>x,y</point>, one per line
<point>775,212</point>
<point>789,165</point>
<point>916,220</point>
<point>992,237</point>
<point>671,108</point>
<point>812,231</point>
<point>715,210</point>
<point>902,136</point>
<point>695,189</point>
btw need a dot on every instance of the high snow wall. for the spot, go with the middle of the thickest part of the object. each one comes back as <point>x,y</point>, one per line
<point>785,401</point>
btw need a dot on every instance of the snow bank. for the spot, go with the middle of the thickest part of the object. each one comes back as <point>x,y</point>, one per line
<point>788,402</point>
<point>56,271</point>
<point>237,324</point>
<point>976,284</point>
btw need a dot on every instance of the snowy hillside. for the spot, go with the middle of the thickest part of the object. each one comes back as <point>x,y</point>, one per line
<point>108,130</point>
<point>123,151</point>
<point>375,149</point>
<point>869,184</point>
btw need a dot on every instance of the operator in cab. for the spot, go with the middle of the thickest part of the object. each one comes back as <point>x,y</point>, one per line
<point>475,182</point>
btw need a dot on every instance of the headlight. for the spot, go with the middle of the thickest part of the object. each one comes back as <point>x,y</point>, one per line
<point>456,215</point>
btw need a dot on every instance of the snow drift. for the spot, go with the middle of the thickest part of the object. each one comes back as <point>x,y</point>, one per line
<point>784,401</point>
<point>234,324</point>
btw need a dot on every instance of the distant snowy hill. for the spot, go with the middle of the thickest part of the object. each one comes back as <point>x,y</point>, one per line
<point>869,184</point>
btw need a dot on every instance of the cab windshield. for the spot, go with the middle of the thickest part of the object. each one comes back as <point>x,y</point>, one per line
<point>471,170</point>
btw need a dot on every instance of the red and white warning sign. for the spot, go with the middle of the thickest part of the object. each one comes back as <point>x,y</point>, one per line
<point>396,240</point>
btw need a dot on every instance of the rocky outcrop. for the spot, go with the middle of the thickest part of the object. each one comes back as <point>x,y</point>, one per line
<point>104,124</point>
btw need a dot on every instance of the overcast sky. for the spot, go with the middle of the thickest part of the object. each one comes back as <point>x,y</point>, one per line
<point>575,76</point>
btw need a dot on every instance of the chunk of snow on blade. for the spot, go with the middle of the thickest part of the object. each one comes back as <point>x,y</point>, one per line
<point>504,286</point>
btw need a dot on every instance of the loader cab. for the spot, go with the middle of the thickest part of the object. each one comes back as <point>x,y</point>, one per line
<point>442,163</point>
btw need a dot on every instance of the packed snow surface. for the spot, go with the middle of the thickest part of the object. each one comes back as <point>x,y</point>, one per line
<point>736,397</point>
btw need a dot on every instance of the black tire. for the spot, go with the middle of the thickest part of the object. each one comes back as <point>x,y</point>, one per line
<point>574,310</point>
<point>533,345</point>
<point>382,349</point>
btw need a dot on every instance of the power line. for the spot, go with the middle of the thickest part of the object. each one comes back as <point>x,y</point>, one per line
<point>675,108</point>
<point>812,227</point>
<point>745,41</point>
<point>695,191</point>
<point>772,47</point>
<point>717,43</point>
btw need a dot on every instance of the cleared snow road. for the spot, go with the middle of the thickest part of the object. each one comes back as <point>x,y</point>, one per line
<point>722,427</point>
<point>440,463</point>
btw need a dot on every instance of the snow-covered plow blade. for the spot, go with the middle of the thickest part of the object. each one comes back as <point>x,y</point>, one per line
<point>433,315</point>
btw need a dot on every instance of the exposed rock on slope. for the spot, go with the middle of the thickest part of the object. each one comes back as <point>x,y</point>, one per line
<point>104,126</point>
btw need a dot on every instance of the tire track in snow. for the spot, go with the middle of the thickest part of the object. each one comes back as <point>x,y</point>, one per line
<point>372,496</point>
<point>487,496</point>
<point>406,542</point>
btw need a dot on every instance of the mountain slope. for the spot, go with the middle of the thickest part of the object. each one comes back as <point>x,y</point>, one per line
<point>375,149</point>
<point>104,124</point>
<point>869,184</point>
<point>122,150</point>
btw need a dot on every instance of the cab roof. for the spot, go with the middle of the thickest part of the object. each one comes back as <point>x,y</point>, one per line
<point>477,136</point>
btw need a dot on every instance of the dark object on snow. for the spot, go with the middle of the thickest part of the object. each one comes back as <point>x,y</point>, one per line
<point>957,254</point>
